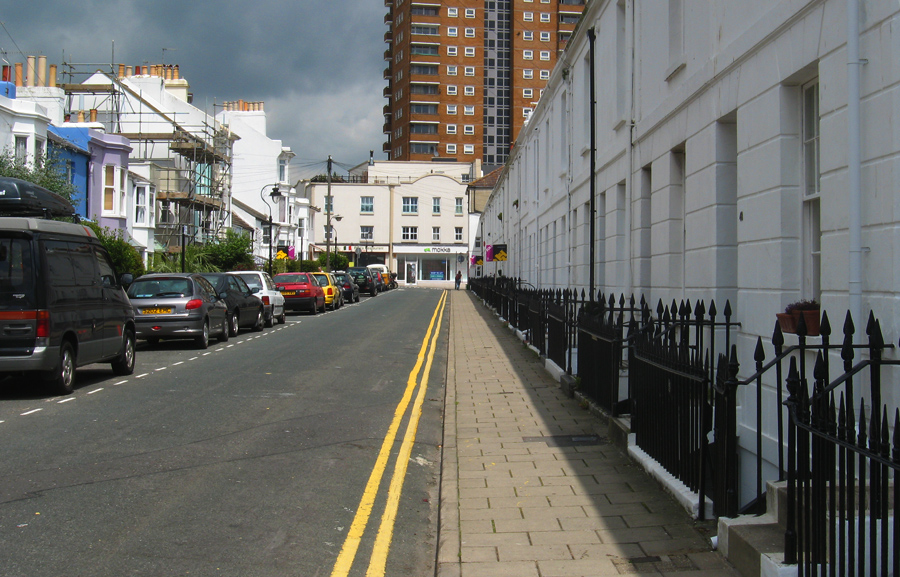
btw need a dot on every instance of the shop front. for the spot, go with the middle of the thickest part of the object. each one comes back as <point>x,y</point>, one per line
<point>430,264</point>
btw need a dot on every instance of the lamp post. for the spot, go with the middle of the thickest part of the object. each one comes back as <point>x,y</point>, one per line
<point>328,207</point>
<point>273,195</point>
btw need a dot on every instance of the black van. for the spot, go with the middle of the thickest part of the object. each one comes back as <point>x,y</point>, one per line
<point>61,303</point>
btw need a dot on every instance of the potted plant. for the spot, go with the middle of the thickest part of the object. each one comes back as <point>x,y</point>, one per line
<point>790,318</point>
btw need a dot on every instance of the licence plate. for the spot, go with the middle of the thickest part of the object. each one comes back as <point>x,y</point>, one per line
<point>157,311</point>
<point>288,293</point>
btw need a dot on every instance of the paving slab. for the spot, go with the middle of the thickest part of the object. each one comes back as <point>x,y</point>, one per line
<point>530,483</point>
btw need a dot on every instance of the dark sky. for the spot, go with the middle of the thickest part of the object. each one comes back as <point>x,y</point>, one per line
<point>317,64</point>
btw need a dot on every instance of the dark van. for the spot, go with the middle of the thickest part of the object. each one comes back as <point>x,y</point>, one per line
<point>61,302</point>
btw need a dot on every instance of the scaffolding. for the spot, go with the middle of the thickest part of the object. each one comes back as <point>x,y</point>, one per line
<point>188,151</point>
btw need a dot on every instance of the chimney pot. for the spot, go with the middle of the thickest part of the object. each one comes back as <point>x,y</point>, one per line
<point>30,72</point>
<point>19,79</point>
<point>52,80</point>
<point>42,71</point>
<point>121,71</point>
<point>81,116</point>
<point>6,73</point>
<point>128,71</point>
<point>175,73</point>
<point>93,115</point>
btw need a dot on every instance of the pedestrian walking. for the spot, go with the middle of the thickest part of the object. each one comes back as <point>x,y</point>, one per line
<point>458,279</point>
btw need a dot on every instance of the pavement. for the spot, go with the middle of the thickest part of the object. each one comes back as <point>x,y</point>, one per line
<point>531,485</point>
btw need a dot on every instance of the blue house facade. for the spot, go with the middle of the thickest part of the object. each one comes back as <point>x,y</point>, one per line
<point>69,145</point>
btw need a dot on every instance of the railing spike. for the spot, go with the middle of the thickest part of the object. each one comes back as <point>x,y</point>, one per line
<point>777,336</point>
<point>825,325</point>
<point>728,311</point>
<point>896,453</point>
<point>700,311</point>
<point>759,355</point>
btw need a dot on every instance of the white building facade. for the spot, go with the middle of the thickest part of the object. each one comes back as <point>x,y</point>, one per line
<point>717,146</point>
<point>410,216</point>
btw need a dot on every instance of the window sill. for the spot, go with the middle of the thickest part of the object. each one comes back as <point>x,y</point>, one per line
<point>678,64</point>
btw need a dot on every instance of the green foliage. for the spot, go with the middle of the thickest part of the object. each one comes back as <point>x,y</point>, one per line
<point>335,177</point>
<point>125,258</point>
<point>196,259</point>
<point>309,266</point>
<point>47,171</point>
<point>338,261</point>
<point>234,252</point>
<point>288,265</point>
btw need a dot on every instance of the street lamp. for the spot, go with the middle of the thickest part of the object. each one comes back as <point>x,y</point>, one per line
<point>273,195</point>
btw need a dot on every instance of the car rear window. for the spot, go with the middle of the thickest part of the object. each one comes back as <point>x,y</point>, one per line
<point>252,280</point>
<point>287,278</point>
<point>321,279</point>
<point>17,291</point>
<point>160,288</point>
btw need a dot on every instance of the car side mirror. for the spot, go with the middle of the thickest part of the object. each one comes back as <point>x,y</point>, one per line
<point>254,290</point>
<point>125,279</point>
<point>223,295</point>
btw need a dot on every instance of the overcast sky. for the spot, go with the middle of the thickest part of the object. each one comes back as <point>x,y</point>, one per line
<point>317,64</point>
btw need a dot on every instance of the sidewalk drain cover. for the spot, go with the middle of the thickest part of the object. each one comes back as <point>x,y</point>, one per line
<point>568,440</point>
<point>653,564</point>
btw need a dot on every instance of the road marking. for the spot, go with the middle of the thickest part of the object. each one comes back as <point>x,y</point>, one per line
<point>95,391</point>
<point>120,383</point>
<point>378,561</point>
<point>142,376</point>
<point>193,358</point>
<point>344,561</point>
<point>161,369</point>
<point>178,363</point>
<point>65,400</point>
<point>30,412</point>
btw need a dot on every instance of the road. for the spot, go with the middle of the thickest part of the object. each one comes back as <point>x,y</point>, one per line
<point>256,457</point>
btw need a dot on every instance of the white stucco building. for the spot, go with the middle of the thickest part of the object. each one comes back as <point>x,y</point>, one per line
<point>718,142</point>
<point>411,216</point>
<point>259,164</point>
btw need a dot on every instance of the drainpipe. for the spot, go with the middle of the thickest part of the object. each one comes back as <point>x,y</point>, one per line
<point>853,161</point>
<point>593,39</point>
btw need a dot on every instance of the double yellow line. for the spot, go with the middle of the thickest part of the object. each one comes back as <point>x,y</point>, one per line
<point>386,530</point>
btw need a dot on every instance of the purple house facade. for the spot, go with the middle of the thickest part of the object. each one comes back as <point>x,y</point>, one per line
<point>108,197</point>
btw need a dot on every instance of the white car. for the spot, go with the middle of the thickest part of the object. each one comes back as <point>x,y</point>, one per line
<point>267,293</point>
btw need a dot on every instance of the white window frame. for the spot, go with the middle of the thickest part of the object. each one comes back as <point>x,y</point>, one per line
<point>363,203</point>
<point>451,90</point>
<point>458,234</point>
<point>545,37</point>
<point>451,51</point>
<point>410,205</point>
<point>528,54</point>
<point>545,17</point>
<point>113,192</point>
<point>469,129</point>
<point>545,75</point>
<point>470,33</point>
<point>366,232</point>
<point>459,205</point>
<point>810,137</point>
<point>435,234</point>
<point>528,16</point>
<point>470,52</point>
<point>527,93</point>
<point>409,233</point>
<point>452,31</point>
<point>451,149</point>
<point>453,12</point>
<point>469,71</point>
<point>451,70</point>
<point>545,55</point>
<point>468,110</point>
<point>468,149</point>
<point>470,13</point>
<point>469,91</point>
<point>528,35</point>
<point>451,129</point>
<point>527,73</point>
<point>436,205</point>
<point>451,109</point>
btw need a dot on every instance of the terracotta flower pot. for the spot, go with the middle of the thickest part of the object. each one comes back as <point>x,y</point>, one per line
<point>789,322</point>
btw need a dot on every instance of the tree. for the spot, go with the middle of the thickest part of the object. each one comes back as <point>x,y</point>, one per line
<point>234,252</point>
<point>196,259</point>
<point>125,258</point>
<point>338,261</point>
<point>47,171</point>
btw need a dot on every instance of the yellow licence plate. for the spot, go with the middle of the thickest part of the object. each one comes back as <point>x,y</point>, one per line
<point>288,293</point>
<point>157,311</point>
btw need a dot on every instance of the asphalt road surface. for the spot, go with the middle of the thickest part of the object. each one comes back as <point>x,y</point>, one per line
<point>295,451</point>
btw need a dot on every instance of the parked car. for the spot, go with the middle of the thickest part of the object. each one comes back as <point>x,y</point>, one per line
<point>334,297</point>
<point>301,291</point>
<point>364,279</point>
<point>272,299</point>
<point>348,286</point>
<point>178,306</point>
<point>62,305</point>
<point>244,308</point>
<point>384,275</point>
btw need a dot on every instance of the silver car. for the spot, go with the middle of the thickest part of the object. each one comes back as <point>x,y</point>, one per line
<point>177,306</point>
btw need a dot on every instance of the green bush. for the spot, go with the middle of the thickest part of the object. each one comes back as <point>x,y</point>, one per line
<point>47,171</point>
<point>234,252</point>
<point>338,261</point>
<point>125,258</point>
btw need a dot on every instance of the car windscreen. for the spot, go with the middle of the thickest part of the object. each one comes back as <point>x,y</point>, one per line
<point>17,278</point>
<point>322,280</point>
<point>160,288</point>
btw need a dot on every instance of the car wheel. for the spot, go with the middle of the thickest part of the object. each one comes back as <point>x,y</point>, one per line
<point>373,292</point>
<point>203,340</point>
<point>62,378</point>
<point>315,307</point>
<point>225,333</point>
<point>233,324</point>
<point>260,320</point>
<point>124,364</point>
<point>283,317</point>
<point>323,304</point>
<point>270,320</point>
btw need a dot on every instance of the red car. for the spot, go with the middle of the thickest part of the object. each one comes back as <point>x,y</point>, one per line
<point>301,292</point>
